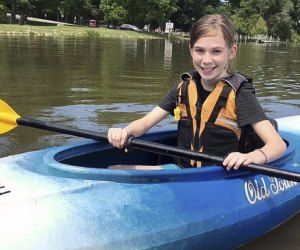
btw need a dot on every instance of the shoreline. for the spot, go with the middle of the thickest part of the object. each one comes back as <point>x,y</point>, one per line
<point>73,31</point>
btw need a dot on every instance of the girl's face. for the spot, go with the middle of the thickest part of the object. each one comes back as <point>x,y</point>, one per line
<point>211,57</point>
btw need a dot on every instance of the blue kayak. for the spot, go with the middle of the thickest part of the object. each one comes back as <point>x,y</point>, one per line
<point>66,198</point>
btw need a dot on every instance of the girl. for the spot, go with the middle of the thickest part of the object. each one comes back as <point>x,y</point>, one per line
<point>213,105</point>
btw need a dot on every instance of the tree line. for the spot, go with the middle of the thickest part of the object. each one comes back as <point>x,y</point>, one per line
<point>277,18</point>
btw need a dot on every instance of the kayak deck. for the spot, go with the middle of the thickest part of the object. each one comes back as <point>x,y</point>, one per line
<point>65,198</point>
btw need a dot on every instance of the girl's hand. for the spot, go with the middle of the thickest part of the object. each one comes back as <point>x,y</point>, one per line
<point>117,137</point>
<point>235,159</point>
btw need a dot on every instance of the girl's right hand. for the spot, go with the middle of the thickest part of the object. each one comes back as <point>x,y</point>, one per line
<point>117,137</point>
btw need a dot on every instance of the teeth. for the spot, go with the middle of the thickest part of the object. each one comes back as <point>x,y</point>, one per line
<point>207,68</point>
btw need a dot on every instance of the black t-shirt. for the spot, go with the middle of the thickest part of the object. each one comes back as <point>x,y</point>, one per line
<point>247,106</point>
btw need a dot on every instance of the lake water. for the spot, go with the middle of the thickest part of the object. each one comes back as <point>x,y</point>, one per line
<point>98,83</point>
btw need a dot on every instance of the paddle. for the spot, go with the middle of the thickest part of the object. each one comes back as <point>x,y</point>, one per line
<point>9,119</point>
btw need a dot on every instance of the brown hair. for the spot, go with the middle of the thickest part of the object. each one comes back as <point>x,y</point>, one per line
<point>210,23</point>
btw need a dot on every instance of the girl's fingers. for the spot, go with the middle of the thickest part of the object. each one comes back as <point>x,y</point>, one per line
<point>117,137</point>
<point>236,160</point>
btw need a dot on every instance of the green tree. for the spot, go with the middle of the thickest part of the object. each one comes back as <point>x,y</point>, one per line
<point>245,17</point>
<point>3,11</point>
<point>24,8</point>
<point>136,12</point>
<point>160,11</point>
<point>13,11</point>
<point>188,11</point>
<point>113,11</point>
<point>260,27</point>
<point>71,8</point>
<point>276,17</point>
<point>276,13</point>
<point>256,16</point>
<point>295,15</point>
<point>225,9</point>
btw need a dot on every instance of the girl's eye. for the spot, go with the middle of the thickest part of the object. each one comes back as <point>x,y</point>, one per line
<point>200,51</point>
<point>216,52</point>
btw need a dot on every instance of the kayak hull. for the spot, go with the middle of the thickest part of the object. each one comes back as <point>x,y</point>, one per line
<point>65,198</point>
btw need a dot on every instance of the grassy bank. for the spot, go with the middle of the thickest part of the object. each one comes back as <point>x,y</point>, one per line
<point>72,31</point>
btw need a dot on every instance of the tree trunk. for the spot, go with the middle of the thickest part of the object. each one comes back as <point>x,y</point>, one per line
<point>13,11</point>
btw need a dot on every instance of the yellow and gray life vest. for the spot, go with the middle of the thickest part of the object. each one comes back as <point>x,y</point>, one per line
<point>211,126</point>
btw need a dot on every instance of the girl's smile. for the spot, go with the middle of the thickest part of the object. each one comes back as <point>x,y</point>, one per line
<point>211,57</point>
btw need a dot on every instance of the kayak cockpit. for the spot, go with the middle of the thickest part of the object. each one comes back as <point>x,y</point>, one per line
<point>101,154</point>
<point>89,160</point>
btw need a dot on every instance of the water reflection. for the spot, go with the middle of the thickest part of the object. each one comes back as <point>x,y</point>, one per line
<point>168,54</point>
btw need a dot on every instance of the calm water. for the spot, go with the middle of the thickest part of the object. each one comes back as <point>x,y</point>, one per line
<point>94,84</point>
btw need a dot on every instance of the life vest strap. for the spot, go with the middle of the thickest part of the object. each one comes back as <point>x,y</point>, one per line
<point>221,102</point>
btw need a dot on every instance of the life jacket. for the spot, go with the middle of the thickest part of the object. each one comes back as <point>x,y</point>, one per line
<point>208,127</point>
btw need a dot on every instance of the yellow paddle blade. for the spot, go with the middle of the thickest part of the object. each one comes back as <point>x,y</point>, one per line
<point>8,117</point>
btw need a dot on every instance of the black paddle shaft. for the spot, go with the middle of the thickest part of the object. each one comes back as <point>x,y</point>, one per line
<point>159,148</point>
<point>61,129</point>
<point>131,143</point>
<point>183,153</point>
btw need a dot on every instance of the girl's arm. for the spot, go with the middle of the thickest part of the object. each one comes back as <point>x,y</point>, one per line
<point>118,136</point>
<point>274,147</point>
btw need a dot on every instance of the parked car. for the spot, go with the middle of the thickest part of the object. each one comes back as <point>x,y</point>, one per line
<point>129,27</point>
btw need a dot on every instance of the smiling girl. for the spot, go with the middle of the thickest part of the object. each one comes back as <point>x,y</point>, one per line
<point>213,105</point>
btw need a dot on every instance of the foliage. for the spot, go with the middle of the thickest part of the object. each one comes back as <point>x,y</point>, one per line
<point>260,27</point>
<point>114,12</point>
<point>273,17</point>
<point>137,12</point>
<point>71,8</point>
<point>295,37</point>
<point>280,26</point>
<point>276,13</point>
<point>295,15</point>
<point>190,10</point>
<point>159,11</point>
<point>3,9</point>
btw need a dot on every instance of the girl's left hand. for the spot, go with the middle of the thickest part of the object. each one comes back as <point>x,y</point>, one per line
<point>235,160</point>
